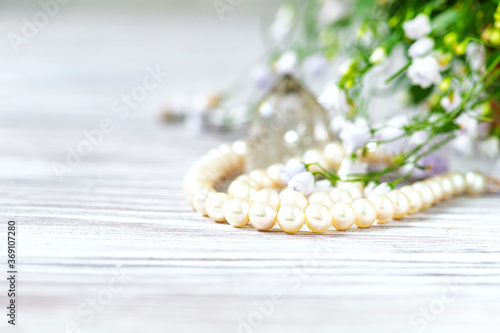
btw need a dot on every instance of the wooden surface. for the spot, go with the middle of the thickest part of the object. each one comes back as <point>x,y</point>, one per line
<point>122,211</point>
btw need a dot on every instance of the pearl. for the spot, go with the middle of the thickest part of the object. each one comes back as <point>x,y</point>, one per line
<point>215,206</point>
<point>314,156</point>
<point>384,207</point>
<point>241,189</point>
<point>321,197</point>
<point>339,195</point>
<point>289,196</point>
<point>436,189</point>
<point>365,213</point>
<point>318,217</point>
<point>334,153</point>
<point>291,218</point>
<point>447,186</point>
<point>401,203</point>
<point>236,212</point>
<point>415,199</point>
<point>343,216</point>
<point>426,193</point>
<point>268,195</point>
<point>274,172</point>
<point>246,179</point>
<point>261,178</point>
<point>458,180</point>
<point>200,200</point>
<point>476,183</point>
<point>355,189</point>
<point>262,216</point>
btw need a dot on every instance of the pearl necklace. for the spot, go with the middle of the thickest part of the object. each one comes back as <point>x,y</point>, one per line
<point>254,197</point>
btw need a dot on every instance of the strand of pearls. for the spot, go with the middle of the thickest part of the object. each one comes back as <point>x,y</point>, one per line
<point>254,197</point>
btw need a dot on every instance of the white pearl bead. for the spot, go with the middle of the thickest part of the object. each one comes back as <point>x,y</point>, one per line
<point>476,183</point>
<point>315,156</point>
<point>415,199</point>
<point>321,197</point>
<point>241,189</point>
<point>236,212</point>
<point>291,218</point>
<point>355,189</point>
<point>365,213</point>
<point>268,195</point>
<point>215,206</point>
<point>447,186</point>
<point>334,153</point>
<point>262,216</point>
<point>436,189</point>
<point>200,200</point>
<point>245,178</point>
<point>401,204</point>
<point>458,180</point>
<point>426,193</point>
<point>339,195</point>
<point>289,196</point>
<point>318,217</point>
<point>384,207</point>
<point>274,172</point>
<point>343,216</point>
<point>261,178</point>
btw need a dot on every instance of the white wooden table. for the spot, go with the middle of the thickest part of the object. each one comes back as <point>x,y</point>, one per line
<point>115,248</point>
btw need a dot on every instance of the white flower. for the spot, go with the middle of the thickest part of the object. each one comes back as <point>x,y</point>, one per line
<point>315,66</point>
<point>263,77</point>
<point>378,56</point>
<point>463,145</point>
<point>424,71</point>
<point>490,147</point>
<point>323,185</point>
<point>337,124</point>
<point>468,125</point>
<point>331,11</point>
<point>421,47</point>
<point>476,55</point>
<point>291,168</point>
<point>354,135</point>
<point>349,166</point>
<point>333,99</point>
<point>418,138</point>
<point>391,133</point>
<point>451,101</point>
<point>287,63</point>
<point>381,189</point>
<point>302,182</point>
<point>417,28</point>
<point>283,22</point>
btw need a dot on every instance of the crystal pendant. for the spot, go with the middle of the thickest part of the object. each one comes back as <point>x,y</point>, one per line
<point>286,123</point>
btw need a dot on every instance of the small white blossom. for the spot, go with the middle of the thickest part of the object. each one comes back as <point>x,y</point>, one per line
<point>349,166</point>
<point>391,133</point>
<point>331,11</point>
<point>287,63</point>
<point>337,124</point>
<point>424,71</point>
<point>333,99</point>
<point>421,47</point>
<point>451,101</point>
<point>381,189</point>
<point>468,125</point>
<point>263,77</point>
<point>490,147</point>
<point>378,56</point>
<point>292,168</point>
<point>417,28</point>
<point>476,55</point>
<point>302,182</point>
<point>355,135</point>
<point>323,185</point>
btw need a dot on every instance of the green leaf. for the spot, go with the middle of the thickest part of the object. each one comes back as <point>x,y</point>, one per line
<point>444,20</point>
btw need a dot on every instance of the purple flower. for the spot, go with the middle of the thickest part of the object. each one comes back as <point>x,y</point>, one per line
<point>433,164</point>
<point>292,168</point>
<point>302,182</point>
